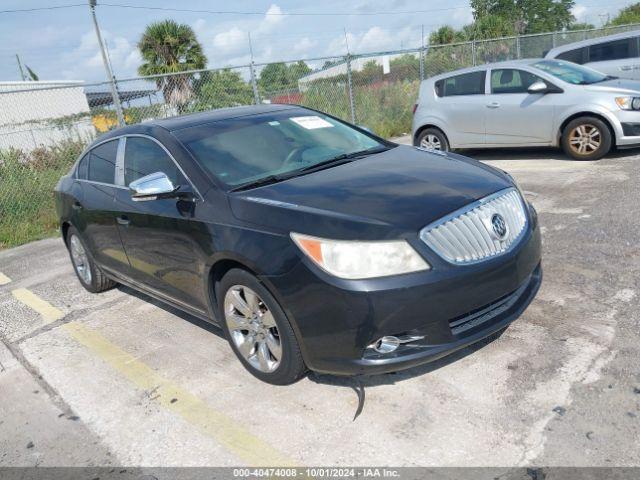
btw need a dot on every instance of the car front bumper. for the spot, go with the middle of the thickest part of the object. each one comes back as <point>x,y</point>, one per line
<point>336,320</point>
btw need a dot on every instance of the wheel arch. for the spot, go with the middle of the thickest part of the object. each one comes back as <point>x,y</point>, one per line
<point>424,127</point>
<point>597,115</point>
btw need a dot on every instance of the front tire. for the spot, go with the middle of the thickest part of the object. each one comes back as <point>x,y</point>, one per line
<point>433,139</point>
<point>586,138</point>
<point>258,330</point>
<point>91,277</point>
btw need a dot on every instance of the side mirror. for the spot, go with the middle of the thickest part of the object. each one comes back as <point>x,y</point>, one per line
<point>538,87</point>
<point>151,187</point>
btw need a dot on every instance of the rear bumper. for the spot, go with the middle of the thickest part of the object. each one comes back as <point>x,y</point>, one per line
<point>336,320</point>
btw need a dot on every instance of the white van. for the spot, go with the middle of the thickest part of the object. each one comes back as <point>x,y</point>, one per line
<point>616,55</point>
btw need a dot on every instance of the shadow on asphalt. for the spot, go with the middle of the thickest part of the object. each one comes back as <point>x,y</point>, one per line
<point>539,153</point>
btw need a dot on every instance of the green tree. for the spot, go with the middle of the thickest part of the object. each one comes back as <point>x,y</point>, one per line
<point>278,77</point>
<point>222,88</point>
<point>527,16</point>
<point>627,15</point>
<point>170,47</point>
<point>445,35</point>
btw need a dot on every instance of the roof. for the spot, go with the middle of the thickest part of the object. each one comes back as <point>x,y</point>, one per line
<point>485,66</point>
<point>99,99</point>
<point>193,119</point>
<point>591,41</point>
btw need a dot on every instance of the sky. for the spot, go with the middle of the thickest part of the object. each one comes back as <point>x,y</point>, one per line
<point>60,44</point>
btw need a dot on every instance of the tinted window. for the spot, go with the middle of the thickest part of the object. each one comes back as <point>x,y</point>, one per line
<point>143,156</point>
<point>245,149</point>
<point>83,167</point>
<point>611,50</point>
<point>575,56</point>
<point>465,84</point>
<point>102,162</point>
<point>511,81</point>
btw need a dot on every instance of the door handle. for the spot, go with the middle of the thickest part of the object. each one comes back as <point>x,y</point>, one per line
<point>76,206</point>
<point>122,220</point>
<point>493,105</point>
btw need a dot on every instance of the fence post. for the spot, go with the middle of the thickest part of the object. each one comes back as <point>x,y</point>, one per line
<point>422,54</point>
<point>350,87</point>
<point>474,58</point>
<point>254,84</point>
<point>518,46</point>
<point>554,40</point>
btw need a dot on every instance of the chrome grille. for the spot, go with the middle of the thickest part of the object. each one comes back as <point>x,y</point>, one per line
<point>471,234</point>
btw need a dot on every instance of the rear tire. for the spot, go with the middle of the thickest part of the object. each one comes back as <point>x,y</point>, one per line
<point>258,329</point>
<point>90,275</point>
<point>586,138</point>
<point>433,139</point>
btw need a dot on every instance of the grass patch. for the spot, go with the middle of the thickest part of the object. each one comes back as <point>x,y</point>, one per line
<point>27,180</point>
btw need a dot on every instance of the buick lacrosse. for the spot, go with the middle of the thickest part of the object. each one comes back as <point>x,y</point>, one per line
<point>312,243</point>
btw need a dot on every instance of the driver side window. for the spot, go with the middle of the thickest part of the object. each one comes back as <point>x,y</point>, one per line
<point>509,80</point>
<point>143,156</point>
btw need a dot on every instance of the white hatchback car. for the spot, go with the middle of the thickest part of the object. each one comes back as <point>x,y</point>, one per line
<point>536,102</point>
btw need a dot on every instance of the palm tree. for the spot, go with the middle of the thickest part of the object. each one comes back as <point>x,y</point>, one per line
<point>170,47</point>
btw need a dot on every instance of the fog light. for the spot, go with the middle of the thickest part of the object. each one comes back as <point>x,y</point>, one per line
<point>386,344</point>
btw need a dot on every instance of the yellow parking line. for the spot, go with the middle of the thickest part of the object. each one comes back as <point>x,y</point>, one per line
<point>48,312</point>
<point>4,279</point>
<point>225,430</point>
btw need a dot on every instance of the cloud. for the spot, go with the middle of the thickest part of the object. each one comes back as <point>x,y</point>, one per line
<point>374,39</point>
<point>580,12</point>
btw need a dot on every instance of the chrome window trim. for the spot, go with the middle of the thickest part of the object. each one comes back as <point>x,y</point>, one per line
<point>119,180</point>
<point>469,207</point>
<point>142,135</point>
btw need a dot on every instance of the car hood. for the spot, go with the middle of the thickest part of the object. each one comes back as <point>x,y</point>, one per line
<point>616,85</point>
<point>380,196</point>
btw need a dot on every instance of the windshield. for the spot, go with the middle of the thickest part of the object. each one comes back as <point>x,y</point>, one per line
<point>570,72</point>
<point>244,150</point>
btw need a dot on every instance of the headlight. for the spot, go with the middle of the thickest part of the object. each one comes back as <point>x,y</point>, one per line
<point>359,260</point>
<point>628,103</point>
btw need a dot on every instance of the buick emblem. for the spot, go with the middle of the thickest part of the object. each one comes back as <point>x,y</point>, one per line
<point>499,226</point>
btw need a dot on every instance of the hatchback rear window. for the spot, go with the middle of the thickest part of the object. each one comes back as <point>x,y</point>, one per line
<point>465,84</point>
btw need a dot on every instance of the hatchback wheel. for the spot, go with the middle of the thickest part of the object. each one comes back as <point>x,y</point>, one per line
<point>586,138</point>
<point>91,277</point>
<point>258,330</point>
<point>433,139</point>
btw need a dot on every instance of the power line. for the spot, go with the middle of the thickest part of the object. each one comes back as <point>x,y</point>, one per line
<point>284,14</point>
<point>35,9</point>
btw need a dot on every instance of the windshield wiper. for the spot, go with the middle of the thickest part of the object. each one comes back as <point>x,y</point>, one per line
<point>260,182</point>
<point>342,158</point>
<point>331,162</point>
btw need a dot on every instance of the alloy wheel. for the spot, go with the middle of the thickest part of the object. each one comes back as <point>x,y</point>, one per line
<point>80,259</point>
<point>252,328</point>
<point>431,142</point>
<point>585,139</point>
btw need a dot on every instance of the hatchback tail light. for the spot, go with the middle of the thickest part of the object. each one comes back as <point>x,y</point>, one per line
<point>415,107</point>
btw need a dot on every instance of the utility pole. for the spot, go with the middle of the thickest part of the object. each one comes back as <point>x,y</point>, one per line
<point>24,78</point>
<point>107,67</point>
<point>252,71</point>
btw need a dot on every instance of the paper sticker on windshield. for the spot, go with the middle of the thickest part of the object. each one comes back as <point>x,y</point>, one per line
<point>311,122</point>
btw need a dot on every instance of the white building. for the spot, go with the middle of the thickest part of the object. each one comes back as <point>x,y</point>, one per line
<point>357,65</point>
<point>42,113</point>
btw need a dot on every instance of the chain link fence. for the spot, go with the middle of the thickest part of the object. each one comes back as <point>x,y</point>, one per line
<point>44,126</point>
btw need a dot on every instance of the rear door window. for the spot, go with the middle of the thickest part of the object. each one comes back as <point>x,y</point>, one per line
<point>465,84</point>
<point>616,50</point>
<point>578,55</point>
<point>83,167</point>
<point>102,163</point>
